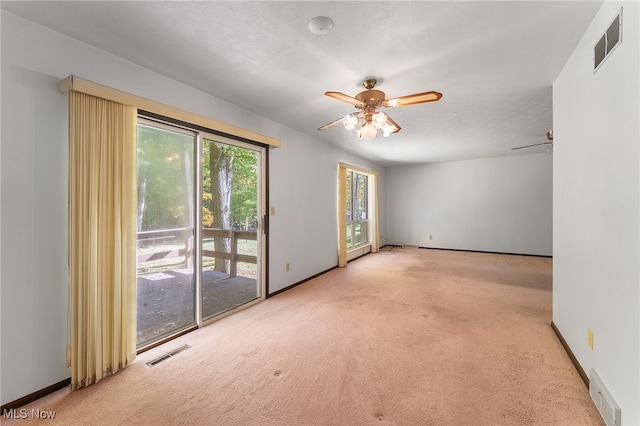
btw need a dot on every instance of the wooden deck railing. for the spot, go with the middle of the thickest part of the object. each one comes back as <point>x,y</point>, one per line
<point>186,234</point>
<point>233,256</point>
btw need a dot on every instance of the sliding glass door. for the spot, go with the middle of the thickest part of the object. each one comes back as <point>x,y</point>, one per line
<point>231,218</point>
<point>166,279</point>
<point>200,241</point>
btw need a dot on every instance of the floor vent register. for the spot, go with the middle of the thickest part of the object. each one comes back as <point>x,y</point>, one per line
<point>166,356</point>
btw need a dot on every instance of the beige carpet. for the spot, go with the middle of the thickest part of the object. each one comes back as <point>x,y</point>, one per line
<point>411,337</point>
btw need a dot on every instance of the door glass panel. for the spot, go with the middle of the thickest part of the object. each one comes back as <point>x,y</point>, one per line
<point>357,209</point>
<point>361,233</point>
<point>165,256</point>
<point>360,197</point>
<point>349,197</point>
<point>230,227</point>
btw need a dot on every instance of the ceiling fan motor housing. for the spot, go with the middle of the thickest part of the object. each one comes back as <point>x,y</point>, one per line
<point>371,97</point>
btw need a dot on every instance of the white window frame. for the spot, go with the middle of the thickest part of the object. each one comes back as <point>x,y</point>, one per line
<point>372,245</point>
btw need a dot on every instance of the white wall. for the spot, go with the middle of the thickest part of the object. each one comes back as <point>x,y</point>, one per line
<point>34,230</point>
<point>34,176</point>
<point>596,208</point>
<point>495,204</point>
<point>304,192</point>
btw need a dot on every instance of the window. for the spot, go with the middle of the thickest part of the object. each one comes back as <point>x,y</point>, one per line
<point>357,209</point>
<point>357,213</point>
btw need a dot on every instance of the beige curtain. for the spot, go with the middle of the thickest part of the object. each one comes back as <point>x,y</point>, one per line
<point>375,227</point>
<point>374,236</point>
<point>342,215</point>
<point>102,237</point>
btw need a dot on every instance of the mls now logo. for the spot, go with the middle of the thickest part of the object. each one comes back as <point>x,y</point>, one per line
<point>15,413</point>
<point>23,413</point>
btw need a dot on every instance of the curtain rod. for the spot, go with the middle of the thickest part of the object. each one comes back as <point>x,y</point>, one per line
<point>78,84</point>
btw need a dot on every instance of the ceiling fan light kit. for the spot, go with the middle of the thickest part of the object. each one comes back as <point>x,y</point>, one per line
<point>368,120</point>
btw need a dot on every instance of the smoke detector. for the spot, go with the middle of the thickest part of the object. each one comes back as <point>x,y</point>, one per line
<point>320,25</point>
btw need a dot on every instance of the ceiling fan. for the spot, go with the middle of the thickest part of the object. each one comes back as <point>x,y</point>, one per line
<point>549,142</point>
<point>367,119</point>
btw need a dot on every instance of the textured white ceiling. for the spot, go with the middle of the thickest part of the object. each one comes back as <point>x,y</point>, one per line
<point>494,62</point>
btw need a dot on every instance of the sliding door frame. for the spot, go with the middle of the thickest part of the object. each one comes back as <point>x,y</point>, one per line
<point>201,134</point>
<point>167,125</point>
<point>262,246</point>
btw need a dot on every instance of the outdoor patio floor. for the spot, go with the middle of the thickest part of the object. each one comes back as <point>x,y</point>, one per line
<point>165,299</point>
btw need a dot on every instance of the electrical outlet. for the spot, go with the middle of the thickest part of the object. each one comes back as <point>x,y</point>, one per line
<point>590,338</point>
<point>286,267</point>
<point>273,211</point>
<point>431,237</point>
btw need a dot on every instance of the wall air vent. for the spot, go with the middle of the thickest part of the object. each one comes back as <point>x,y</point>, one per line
<point>603,400</point>
<point>168,355</point>
<point>609,41</point>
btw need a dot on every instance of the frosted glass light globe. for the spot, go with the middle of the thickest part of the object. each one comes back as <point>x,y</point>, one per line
<point>369,131</point>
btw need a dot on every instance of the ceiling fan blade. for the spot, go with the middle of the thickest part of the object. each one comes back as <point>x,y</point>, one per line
<point>345,98</point>
<point>417,98</point>
<point>390,120</point>
<point>333,123</point>
<point>529,146</point>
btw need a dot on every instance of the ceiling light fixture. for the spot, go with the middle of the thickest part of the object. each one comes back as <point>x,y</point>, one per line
<point>320,25</point>
<point>368,126</point>
<point>367,120</point>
